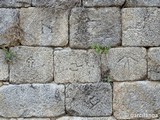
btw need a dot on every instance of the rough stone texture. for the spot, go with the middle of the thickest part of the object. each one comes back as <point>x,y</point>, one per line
<point>86,118</point>
<point>33,119</point>
<point>104,65</point>
<point>154,63</point>
<point>44,26</point>
<point>89,99</point>
<point>103,2</point>
<point>57,4</point>
<point>36,100</point>
<point>76,66</point>
<point>8,23</point>
<point>15,3</point>
<point>32,65</point>
<point>127,63</point>
<point>141,26</point>
<point>142,3</point>
<point>3,67</point>
<point>136,98</point>
<point>89,26</point>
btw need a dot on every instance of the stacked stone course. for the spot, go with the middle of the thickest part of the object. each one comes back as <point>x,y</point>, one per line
<point>56,75</point>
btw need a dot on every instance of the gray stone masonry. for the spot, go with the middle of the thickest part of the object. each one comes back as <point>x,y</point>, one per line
<point>127,64</point>
<point>76,66</point>
<point>89,99</point>
<point>136,98</point>
<point>30,100</point>
<point>141,26</point>
<point>15,3</point>
<point>89,26</point>
<point>44,26</point>
<point>32,65</point>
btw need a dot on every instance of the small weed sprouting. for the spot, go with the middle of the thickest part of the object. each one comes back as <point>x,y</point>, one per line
<point>107,79</point>
<point>9,55</point>
<point>100,49</point>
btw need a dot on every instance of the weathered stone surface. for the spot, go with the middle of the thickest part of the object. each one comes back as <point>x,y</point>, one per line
<point>89,26</point>
<point>42,26</point>
<point>33,119</point>
<point>89,99</point>
<point>86,118</point>
<point>103,2</point>
<point>32,65</point>
<point>132,99</point>
<point>15,3</point>
<point>76,66</point>
<point>127,63</point>
<point>142,3</point>
<point>154,63</point>
<point>57,4</point>
<point>3,67</point>
<point>8,25</point>
<point>141,26</point>
<point>36,100</point>
<point>104,65</point>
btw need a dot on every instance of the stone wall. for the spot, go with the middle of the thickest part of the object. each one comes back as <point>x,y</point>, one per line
<point>49,71</point>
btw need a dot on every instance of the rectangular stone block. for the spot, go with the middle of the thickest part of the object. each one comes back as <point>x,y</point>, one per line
<point>33,119</point>
<point>135,100</point>
<point>154,63</point>
<point>4,73</point>
<point>57,4</point>
<point>86,118</point>
<point>15,3</point>
<point>142,3</point>
<point>90,26</point>
<point>9,20</point>
<point>28,100</point>
<point>89,99</point>
<point>32,65</point>
<point>76,66</point>
<point>127,63</point>
<point>141,26</point>
<point>90,3</point>
<point>44,26</point>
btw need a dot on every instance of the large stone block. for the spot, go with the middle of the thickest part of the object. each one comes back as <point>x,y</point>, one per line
<point>76,66</point>
<point>142,3</point>
<point>133,100</point>
<point>32,65</point>
<point>103,2</point>
<point>38,100</point>
<point>9,20</point>
<point>15,3</point>
<point>127,63</point>
<point>90,26</point>
<point>154,63</point>
<point>141,26</point>
<point>4,73</point>
<point>89,99</point>
<point>44,26</point>
<point>57,4</point>
<point>86,118</point>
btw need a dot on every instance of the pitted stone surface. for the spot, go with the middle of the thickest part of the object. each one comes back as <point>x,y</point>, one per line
<point>44,27</point>
<point>141,26</point>
<point>89,26</point>
<point>89,99</point>
<point>76,66</point>
<point>32,65</point>
<point>15,3</point>
<point>33,119</point>
<point>142,3</point>
<point>103,2</point>
<point>28,100</point>
<point>86,118</point>
<point>8,22</point>
<point>127,63</point>
<point>3,67</point>
<point>136,98</point>
<point>154,63</point>
<point>57,4</point>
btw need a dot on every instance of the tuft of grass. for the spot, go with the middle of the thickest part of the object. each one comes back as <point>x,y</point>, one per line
<point>9,55</point>
<point>108,79</point>
<point>100,49</point>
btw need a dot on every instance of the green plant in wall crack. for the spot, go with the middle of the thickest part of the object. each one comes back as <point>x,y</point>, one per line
<point>100,49</point>
<point>107,79</point>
